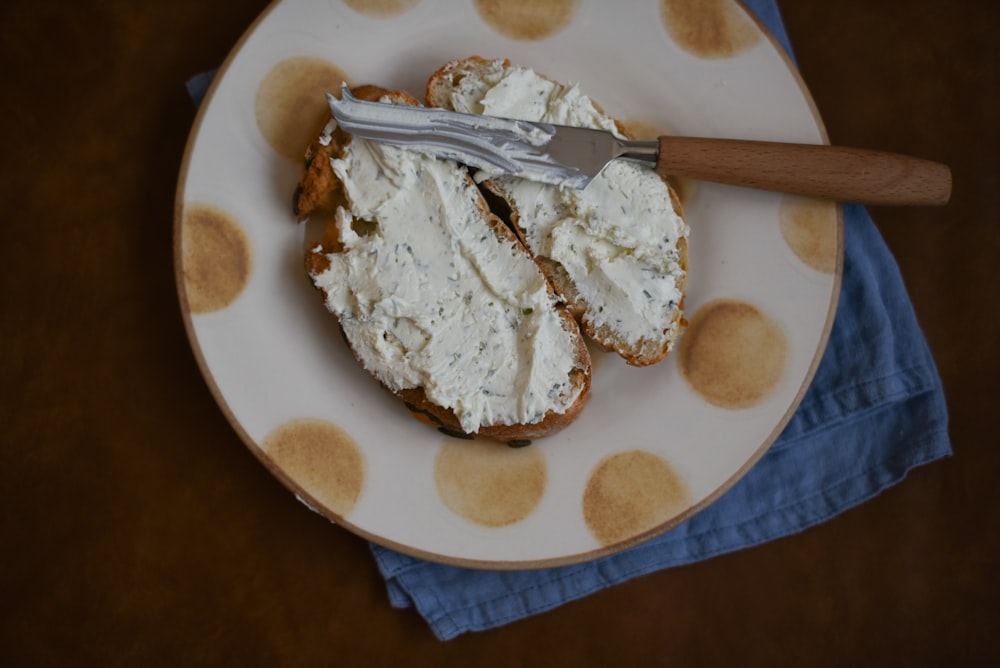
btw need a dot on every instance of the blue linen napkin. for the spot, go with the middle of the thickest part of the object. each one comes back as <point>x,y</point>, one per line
<point>874,411</point>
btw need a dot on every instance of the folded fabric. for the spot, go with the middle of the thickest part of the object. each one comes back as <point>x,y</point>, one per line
<point>874,411</point>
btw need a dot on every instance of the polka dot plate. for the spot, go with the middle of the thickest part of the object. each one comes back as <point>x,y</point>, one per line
<point>655,445</point>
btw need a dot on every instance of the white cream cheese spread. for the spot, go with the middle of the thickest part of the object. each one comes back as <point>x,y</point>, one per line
<point>430,296</point>
<point>618,238</point>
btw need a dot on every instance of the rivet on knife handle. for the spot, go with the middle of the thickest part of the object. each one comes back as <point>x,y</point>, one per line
<point>831,172</point>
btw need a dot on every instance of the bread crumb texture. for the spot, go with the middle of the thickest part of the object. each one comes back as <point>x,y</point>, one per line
<point>488,482</point>
<point>216,258</point>
<point>381,9</point>
<point>809,227</point>
<point>527,20</point>
<point>733,355</point>
<point>709,28</point>
<point>290,107</point>
<point>322,459</point>
<point>631,492</point>
<point>315,228</point>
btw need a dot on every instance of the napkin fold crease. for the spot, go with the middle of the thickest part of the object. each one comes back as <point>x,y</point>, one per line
<point>874,411</point>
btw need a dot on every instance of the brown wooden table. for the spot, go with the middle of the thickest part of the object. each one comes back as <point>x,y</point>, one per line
<point>138,530</point>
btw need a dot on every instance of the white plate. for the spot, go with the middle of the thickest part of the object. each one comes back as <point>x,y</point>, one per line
<point>655,445</point>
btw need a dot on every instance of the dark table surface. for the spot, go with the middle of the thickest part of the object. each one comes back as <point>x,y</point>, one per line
<point>138,530</point>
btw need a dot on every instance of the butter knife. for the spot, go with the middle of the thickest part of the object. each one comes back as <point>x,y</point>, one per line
<point>572,157</point>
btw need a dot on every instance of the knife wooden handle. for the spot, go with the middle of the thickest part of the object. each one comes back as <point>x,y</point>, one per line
<point>831,172</point>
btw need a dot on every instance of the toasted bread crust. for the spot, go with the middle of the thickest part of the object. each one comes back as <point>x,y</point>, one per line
<point>320,191</point>
<point>643,353</point>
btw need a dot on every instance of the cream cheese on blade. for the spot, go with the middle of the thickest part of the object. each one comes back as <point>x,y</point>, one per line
<point>617,239</point>
<point>430,296</point>
<point>495,145</point>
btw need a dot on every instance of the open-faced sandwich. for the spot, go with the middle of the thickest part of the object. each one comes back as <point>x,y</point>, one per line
<point>438,298</point>
<point>473,320</point>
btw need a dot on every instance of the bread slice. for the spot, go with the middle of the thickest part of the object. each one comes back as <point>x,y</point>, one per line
<point>617,251</point>
<point>436,297</point>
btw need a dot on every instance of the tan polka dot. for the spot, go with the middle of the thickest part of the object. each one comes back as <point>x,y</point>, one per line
<point>322,459</point>
<point>527,19</point>
<point>683,186</point>
<point>732,354</point>
<point>216,259</point>
<point>809,227</point>
<point>488,482</point>
<point>639,129</point>
<point>291,107</point>
<point>381,9</point>
<point>642,129</point>
<point>709,28</point>
<point>631,492</point>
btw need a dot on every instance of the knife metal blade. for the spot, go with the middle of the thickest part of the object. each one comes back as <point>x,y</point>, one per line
<point>555,154</point>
